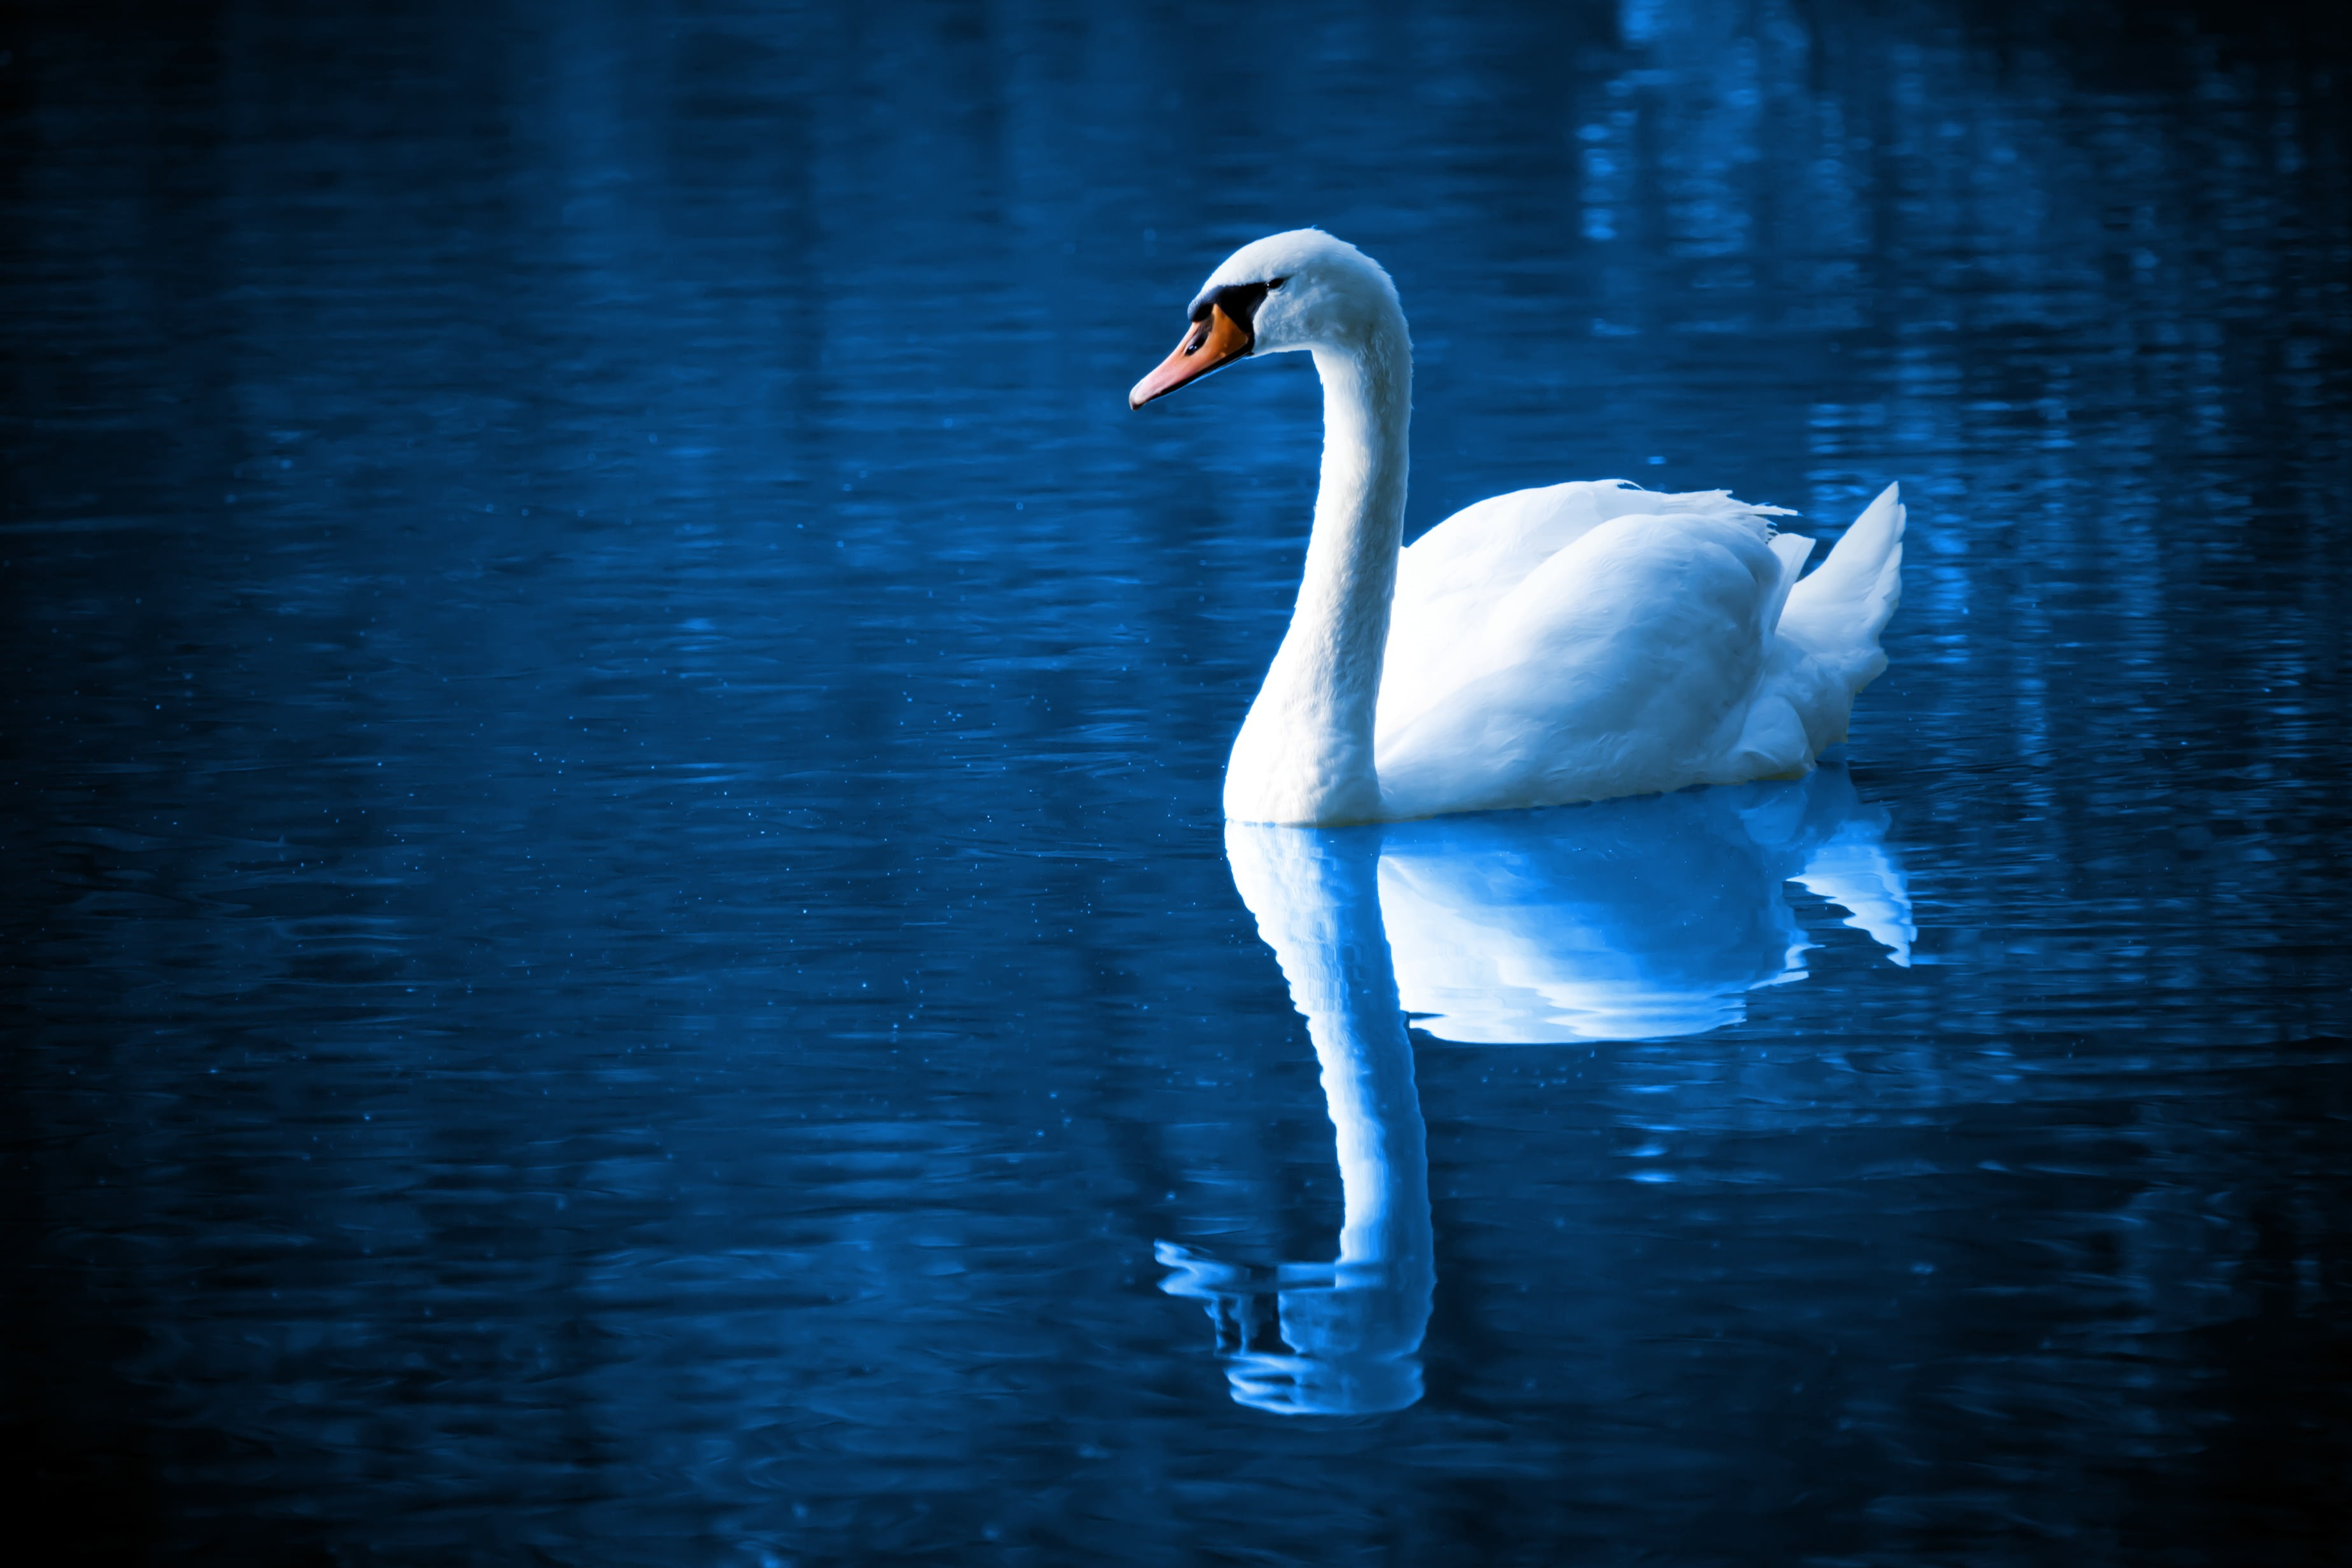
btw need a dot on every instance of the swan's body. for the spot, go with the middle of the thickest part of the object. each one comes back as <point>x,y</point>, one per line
<point>1573,643</point>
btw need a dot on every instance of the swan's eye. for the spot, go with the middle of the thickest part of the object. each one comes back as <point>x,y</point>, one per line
<point>1274,283</point>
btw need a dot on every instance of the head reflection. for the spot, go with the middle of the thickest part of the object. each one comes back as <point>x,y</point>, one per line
<point>1641,918</point>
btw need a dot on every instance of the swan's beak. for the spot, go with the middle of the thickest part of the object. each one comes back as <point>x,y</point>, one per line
<point>1215,338</point>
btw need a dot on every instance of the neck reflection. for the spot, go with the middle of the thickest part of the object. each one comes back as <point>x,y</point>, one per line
<point>1343,1337</point>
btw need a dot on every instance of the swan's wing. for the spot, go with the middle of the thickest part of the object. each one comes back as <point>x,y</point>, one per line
<point>1452,573</point>
<point>1613,668</point>
<point>1484,549</point>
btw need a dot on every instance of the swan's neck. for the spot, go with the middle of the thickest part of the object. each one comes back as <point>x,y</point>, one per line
<point>1305,754</point>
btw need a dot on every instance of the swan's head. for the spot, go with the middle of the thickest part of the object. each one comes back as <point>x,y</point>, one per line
<point>1302,289</point>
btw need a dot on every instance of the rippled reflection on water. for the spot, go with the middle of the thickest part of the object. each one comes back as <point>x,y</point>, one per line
<point>621,941</point>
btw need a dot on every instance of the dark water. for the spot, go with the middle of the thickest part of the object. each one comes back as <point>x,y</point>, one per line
<point>619,943</point>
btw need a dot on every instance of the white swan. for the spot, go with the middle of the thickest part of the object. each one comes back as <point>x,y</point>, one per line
<point>1572,643</point>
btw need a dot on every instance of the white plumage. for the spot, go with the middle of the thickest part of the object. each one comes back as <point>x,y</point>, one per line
<point>1577,642</point>
<point>1593,639</point>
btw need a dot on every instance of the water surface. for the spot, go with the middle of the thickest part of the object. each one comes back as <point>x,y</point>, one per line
<point>620,943</point>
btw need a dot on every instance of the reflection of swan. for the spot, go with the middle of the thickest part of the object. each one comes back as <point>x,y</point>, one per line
<point>1634,919</point>
<point>1344,1334</point>
<point>1627,918</point>
<point>1575,643</point>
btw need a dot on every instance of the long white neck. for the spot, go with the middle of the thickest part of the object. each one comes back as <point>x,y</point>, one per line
<point>1305,753</point>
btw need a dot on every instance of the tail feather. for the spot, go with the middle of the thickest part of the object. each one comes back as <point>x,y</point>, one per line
<point>1793,550</point>
<point>1838,611</point>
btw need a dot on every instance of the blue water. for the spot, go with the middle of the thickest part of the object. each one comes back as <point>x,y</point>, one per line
<point>620,947</point>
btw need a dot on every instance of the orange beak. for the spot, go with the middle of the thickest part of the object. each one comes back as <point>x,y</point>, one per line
<point>1215,338</point>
